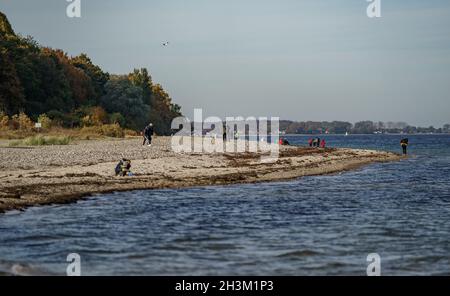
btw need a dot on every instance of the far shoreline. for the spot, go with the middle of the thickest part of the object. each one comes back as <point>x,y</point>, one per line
<point>385,134</point>
<point>64,174</point>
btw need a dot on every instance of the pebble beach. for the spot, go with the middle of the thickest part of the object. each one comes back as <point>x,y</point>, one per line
<point>41,175</point>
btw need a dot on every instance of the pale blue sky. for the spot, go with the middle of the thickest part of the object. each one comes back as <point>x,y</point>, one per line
<point>300,60</point>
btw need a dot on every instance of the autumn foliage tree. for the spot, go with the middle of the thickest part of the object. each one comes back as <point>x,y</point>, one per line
<point>73,91</point>
<point>162,111</point>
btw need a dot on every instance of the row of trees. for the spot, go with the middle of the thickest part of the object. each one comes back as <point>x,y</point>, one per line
<point>315,127</point>
<point>39,80</point>
<point>361,127</point>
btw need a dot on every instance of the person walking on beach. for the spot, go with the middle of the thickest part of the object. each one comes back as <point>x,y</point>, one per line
<point>404,144</point>
<point>310,142</point>
<point>318,143</point>
<point>148,133</point>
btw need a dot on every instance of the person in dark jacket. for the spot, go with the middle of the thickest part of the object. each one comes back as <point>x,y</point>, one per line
<point>404,144</point>
<point>148,133</point>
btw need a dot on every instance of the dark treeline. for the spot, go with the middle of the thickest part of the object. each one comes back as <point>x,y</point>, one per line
<point>72,91</point>
<point>362,127</point>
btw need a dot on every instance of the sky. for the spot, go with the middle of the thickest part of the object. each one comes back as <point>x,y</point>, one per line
<point>299,60</point>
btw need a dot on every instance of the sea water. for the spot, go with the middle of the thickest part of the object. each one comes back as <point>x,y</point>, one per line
<point>320,225</point>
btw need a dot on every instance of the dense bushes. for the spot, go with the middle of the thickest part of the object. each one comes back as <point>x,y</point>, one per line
<point>107,130</point>
<point>45,121</point>
<point>21,126</point>
<point>17,122</point>
<point>4,121</point>
<point>40,140</point>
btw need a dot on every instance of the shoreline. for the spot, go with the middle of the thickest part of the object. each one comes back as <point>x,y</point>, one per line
<point>36,176</point>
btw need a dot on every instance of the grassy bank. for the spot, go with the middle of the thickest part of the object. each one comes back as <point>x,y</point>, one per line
<point>84,133</point>
<point>40,140</point>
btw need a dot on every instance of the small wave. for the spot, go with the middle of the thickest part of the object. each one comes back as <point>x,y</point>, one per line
<point>301,253</point>
<point>220,247</point>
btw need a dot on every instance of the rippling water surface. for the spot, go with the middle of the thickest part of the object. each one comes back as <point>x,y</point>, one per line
<point>322,225</point>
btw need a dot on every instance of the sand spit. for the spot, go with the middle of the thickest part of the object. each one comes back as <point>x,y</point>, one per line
<point>33,176</point>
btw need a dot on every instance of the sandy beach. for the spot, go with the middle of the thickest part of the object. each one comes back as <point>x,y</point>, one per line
<point>43,175</point>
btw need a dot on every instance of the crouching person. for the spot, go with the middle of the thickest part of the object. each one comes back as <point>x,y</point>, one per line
<point>123,167</point>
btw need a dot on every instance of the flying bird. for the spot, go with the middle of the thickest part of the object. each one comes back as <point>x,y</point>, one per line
<point>165,43</point>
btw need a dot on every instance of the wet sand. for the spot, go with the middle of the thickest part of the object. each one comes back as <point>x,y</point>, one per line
<point>44,175</point>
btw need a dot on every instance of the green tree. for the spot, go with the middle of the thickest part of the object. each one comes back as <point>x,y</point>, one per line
<point>117,118</point>
<point>142,79</point>
<point>12,98</point>
<point>55,87</point>
<point>5,26</point>
<point>162,110</point>
<point>125,98</point>
<point>364,127</point>
<point>446,128</point>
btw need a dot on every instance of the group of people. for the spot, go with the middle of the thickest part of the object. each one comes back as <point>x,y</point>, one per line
<point>123,168</point>
<point>283,141</point>
<point>124,165</point>
<point>317,142</point>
